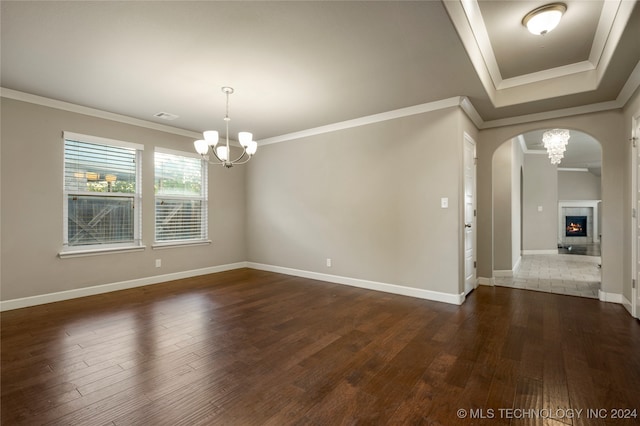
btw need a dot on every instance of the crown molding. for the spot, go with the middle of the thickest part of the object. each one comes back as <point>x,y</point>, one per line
<point>471,112</point>
<point>629,88</point>
<point>369,119</point>
<point>631,85</point>
<point>548,115</point>
<point>549,74</point>
<point>92,112</point>
<point>525,149</point>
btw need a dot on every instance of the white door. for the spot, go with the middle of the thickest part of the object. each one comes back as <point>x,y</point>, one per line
<point>470,280</point>
<point>635,296</point>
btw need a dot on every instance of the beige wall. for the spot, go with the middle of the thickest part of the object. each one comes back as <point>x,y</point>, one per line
<point>609,129</point>
<point>32,225</point>
<point>502,215</point>
<point>366,197</point>
<point>540,204</point>
<point>578,185</point>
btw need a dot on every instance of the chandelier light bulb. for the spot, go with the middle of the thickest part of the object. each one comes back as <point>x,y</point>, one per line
<point>544,19</point>
<point>245,138</point>
<point>252,148</point>
<point>211,136</point>
<point>202,147</point>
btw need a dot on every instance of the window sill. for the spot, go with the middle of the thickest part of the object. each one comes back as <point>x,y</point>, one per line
<point>96,252</point>
<point>176,244</point>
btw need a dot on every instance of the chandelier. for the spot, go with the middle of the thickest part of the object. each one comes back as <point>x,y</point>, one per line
<point>555,141</point>
<point>222,153</point>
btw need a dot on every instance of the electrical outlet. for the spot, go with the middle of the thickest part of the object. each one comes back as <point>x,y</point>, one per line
<point>328,262</point>
<point>158,263</point>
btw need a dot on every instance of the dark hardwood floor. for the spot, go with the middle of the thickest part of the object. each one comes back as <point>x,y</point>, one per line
<point>248,347</point>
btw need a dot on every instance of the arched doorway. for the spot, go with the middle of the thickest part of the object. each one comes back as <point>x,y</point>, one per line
<point>534,246</point>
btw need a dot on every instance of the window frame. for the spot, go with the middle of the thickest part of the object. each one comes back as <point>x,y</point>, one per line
<point>93,249</point>
<point>203,198</point>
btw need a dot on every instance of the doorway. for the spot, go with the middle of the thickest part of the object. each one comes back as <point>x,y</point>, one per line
<point>532,201</point>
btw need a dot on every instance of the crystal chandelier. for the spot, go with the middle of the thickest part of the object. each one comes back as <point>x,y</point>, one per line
<point>555,141</point>
<point>223,153</point>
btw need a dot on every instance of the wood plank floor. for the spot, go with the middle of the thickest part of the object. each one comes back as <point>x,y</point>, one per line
<point>248,347</point>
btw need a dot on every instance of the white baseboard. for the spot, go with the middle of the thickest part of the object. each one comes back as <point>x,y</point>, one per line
<point>627,304</point>
<point>487,281</point>
<point>455,299</point>
<point>516,267</point>
<point>24,302</point>
<point>611,297</point>
<point>508,273</point>
<point>525,252</point>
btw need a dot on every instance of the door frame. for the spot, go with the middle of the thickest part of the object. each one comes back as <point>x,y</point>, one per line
<point>635,233</point>
<point>467,138</point>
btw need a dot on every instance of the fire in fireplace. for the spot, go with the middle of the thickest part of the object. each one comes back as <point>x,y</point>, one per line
<point>576,226</point>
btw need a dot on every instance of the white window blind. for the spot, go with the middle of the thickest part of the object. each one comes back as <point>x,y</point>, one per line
<point>181,197</point>
<point>101,190</point>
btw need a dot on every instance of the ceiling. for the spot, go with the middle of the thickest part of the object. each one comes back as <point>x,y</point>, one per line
<point>300,65</point>
<point>519,53</point>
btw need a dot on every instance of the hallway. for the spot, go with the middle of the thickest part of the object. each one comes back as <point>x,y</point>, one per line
<point>569,274</point>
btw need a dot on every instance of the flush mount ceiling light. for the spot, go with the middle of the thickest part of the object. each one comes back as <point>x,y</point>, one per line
<point>223,153</point>
<point>555,141</point>
<point>544,19</point>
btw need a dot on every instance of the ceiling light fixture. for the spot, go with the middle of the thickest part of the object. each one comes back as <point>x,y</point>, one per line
<point>555,141</point>
<point>544,19</point>
<point>223,153</point>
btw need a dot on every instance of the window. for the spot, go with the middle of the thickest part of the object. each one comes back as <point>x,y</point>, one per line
<point>101,193</point>
<point>181,197</point>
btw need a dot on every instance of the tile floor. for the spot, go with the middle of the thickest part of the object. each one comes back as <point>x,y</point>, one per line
<point>557,273</point>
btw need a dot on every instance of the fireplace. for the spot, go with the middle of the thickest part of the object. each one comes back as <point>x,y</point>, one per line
<point>570,212</point>
<point>576,226</point>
